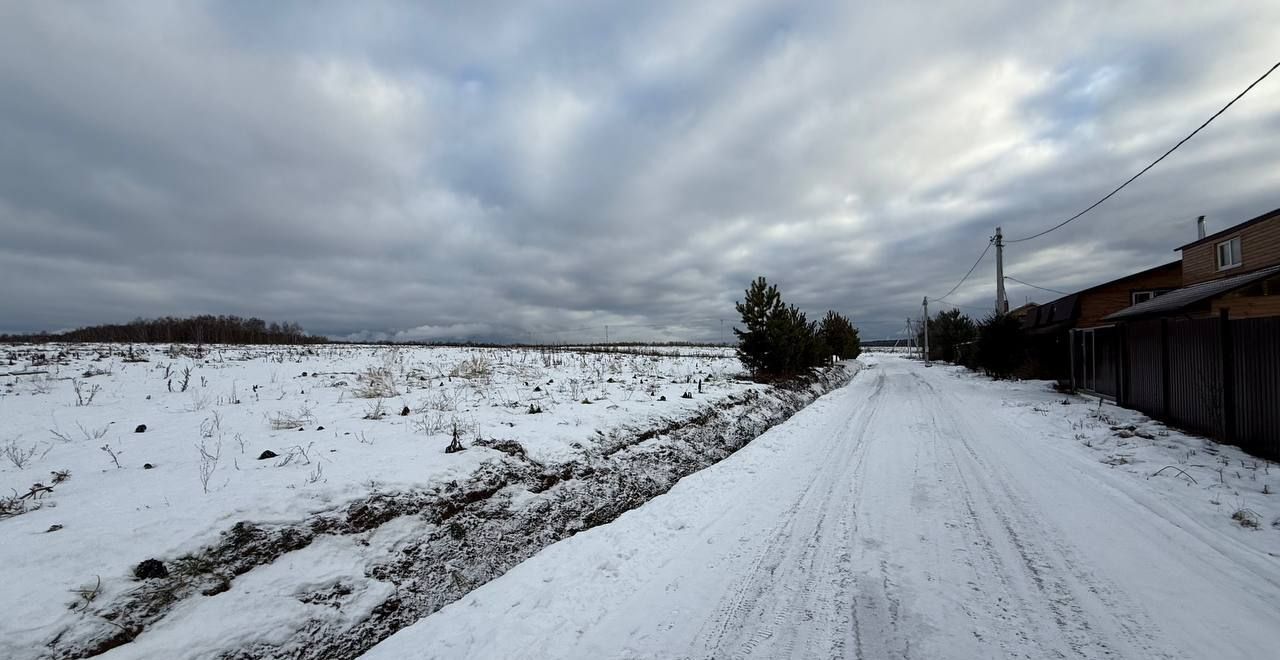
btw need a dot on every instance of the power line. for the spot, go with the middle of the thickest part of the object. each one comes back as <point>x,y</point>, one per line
<point>1154,162</point>
<point>1007,277</point>
<point>966,275</point>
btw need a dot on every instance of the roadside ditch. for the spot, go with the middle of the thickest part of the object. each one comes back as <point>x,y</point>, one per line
<point>473,530</point>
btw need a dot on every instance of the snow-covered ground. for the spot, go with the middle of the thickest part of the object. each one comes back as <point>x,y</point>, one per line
<point>925,513</point>
<point>332,417</point>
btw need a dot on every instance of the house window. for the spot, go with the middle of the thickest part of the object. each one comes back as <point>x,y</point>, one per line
<point>1229,253</point>
<point>1143,296</point>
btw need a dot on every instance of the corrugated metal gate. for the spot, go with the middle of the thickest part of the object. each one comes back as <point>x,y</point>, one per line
<point>1217,376</point>
<point>1256,371</point>
<point>1195,375</point>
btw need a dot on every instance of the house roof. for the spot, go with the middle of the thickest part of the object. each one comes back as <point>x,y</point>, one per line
<point>1140,273</point>
<point>1234,228</point>
<point>1055,313</point>
<point>1052,315</point>
<point>1179,299</point>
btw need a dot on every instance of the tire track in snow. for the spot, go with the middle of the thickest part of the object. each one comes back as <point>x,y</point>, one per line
<point>1081,606</point>
<point>982,556</point>
<point>754,603</point>
<point>1029,595</point>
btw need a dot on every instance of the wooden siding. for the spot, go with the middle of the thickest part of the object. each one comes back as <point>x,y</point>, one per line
<point>1258,300</point>
<point>1248,307</point>
<point>1112,297</point>
<point>1259,248</point>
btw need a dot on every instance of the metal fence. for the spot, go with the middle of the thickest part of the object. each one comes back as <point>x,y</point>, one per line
<point>1217,376</point>
<point>1095,364</point>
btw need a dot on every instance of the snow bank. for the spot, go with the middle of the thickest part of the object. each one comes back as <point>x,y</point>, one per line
<point>287,554</point>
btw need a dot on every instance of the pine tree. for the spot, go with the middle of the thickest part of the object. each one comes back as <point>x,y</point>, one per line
<point>779,340</point>
<point>947,332</point>
<point>761,304</point>
<point>838,337</point>
<point>1001,345</point>
<point>792,340</point>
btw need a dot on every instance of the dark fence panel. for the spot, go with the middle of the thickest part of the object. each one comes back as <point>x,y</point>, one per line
<point>1195,375</point>
<point>1081,356</point>
<point>1174,370</point>
<point>1256,348</point>
<point>1144,384</point>
<point>1107,361</point>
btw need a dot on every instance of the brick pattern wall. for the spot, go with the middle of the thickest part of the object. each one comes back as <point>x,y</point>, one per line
<point>1259,248</point>
<point>1116,296</point>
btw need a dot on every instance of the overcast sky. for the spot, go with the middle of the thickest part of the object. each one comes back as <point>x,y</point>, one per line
<point>474,169</point>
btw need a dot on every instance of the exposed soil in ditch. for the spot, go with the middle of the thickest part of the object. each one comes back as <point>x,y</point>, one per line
<point>474,532</point>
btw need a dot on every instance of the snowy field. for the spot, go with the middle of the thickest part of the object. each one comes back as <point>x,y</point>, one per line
<point>895,350</point>
<point>89,493</point>
<point>925,513</point>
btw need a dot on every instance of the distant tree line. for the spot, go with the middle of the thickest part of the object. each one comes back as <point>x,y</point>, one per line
<point>205,329</point>
<point>778,340</point>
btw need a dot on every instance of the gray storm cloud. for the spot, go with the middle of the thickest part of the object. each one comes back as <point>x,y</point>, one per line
<point>387,170</point>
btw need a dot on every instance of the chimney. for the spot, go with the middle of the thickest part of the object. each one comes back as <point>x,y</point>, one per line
<point>1200,227</point>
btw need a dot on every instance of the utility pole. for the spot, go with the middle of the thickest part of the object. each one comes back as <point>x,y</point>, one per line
<point>606,334</point>
<point>926,331</point>
<point>1002,304</point>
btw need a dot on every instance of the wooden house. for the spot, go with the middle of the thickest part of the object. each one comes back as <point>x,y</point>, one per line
<point>1234,271</point>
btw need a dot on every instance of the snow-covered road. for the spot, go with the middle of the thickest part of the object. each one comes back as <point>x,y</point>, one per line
<point>905,515</point>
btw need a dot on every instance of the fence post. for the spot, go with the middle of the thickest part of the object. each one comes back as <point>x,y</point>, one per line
<point>1122,364</point>
<point>1228,377</point>
<point>1071,356</point>
<point>1165,385</point>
